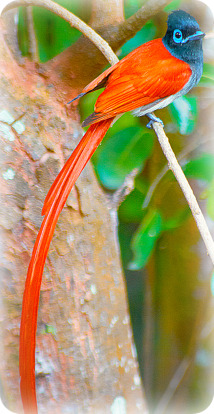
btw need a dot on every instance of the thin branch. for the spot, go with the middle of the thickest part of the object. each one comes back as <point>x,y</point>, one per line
<point>64,69</point>
<point>73,20</point>
<point>154,185</point>
<point>207,329</point>
<point>144,13</point>
<point>33,47</point>
<point>115,35</point>
<point>173,385</point>
<point>186,189</point>
<point>122,192</point>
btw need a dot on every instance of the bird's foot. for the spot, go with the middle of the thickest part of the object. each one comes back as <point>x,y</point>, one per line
<point>153,118</point>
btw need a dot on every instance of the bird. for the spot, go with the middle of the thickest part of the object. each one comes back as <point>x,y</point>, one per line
<point>149,78</point>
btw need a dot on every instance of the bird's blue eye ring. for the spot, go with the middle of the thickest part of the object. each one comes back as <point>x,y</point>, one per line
<point>177,36</point>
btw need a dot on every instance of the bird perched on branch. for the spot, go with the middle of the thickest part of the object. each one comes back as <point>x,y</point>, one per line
<point>149,78</point>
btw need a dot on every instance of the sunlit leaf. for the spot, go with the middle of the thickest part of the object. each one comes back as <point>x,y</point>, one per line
<point>184,112</point>
<point>144,239</point>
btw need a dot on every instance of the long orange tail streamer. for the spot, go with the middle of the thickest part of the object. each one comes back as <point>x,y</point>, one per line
<point>54,203</point>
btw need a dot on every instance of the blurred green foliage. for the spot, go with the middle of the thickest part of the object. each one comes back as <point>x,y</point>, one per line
<point>53,34</point>
<point>207,78</point>
<point>157,238</point>
<point>129,149</point>
<point>201,167</point>
<point>184,112</point>
<point>144,239</point>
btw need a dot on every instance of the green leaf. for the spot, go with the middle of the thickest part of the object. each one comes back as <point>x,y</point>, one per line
<point>184,112</point>
<point>130,211</point>
<point>201,167</point>
<point>121,153</point>
<point>207,78</point>
<point>144,239</point>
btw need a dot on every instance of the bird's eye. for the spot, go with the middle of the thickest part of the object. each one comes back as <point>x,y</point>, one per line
<point>177,36</point>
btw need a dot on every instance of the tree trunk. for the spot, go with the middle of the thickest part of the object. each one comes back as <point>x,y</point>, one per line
<point>84,359</point>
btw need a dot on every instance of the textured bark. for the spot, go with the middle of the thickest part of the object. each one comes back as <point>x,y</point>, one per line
<point>106,12</point>
<point>84,360</point>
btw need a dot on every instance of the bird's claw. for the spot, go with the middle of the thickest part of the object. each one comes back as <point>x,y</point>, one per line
<point>153,119</point>
<point>150,124</point>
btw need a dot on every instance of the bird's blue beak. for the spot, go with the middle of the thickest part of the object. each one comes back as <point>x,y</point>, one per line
<point>197,35</point>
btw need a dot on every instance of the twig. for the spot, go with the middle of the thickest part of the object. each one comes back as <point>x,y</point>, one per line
<point>116,35</point>
<point>73,20</point>
<point>122,192</point>
<point>154,185</point>
<point>33,47</point>
<point>163,140</point>
<point>207,329</point>
<point>173,385</point>
<point>185,187</point>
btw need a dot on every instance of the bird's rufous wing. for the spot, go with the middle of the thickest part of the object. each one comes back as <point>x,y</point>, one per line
<point>146,75</point>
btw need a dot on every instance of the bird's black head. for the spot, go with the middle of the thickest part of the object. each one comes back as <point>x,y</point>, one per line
<point>183,38</point>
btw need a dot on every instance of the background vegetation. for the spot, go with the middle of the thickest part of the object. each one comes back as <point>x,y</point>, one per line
<point>165,264</point>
